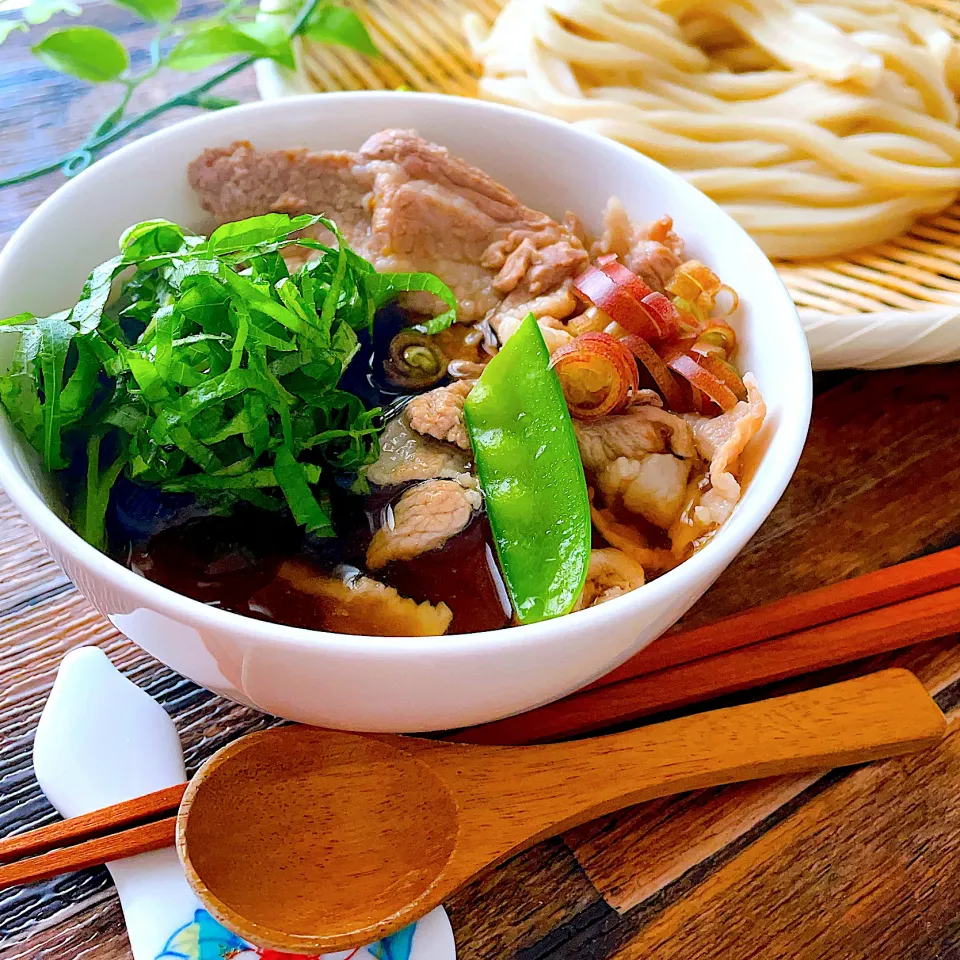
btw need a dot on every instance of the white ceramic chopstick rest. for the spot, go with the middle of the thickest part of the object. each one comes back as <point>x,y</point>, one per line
<point>102,740</point>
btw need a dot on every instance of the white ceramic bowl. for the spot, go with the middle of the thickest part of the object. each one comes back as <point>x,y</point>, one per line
<point>377,683</point>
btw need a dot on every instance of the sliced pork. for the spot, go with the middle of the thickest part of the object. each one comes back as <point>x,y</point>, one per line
<point>406,455</point>
<point>721,440</point>
<point>423,519</point>
<point>406,205</point>
<point>611,574</point>
<point>548,308</point>
<point>638,431</point>
<point>655,486</point>
<point>439,413</point>
<point>632,542</point>
<point>653,252</point>
<point>238,181</point>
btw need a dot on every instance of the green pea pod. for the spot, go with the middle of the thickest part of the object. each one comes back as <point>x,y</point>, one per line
<point>532,477</point>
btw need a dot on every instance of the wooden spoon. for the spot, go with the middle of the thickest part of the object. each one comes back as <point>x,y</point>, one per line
<point>310,841</point>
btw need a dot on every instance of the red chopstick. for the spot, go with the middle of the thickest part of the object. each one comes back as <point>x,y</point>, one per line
<point>135,826</point>
<point>751,649</point>
<point>882,588</point>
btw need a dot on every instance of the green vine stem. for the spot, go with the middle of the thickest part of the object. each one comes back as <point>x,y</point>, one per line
<point>108,130</point>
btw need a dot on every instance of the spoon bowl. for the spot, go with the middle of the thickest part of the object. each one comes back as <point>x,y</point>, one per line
<point>306,840</point>
<point>337,805</point>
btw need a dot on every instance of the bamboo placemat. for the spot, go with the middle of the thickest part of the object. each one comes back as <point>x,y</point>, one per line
<point>424,48</point>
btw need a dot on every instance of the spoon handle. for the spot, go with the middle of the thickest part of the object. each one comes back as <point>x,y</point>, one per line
<point>557,786</point>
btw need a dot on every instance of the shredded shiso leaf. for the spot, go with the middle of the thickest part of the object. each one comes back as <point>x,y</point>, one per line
<point>214,373</point>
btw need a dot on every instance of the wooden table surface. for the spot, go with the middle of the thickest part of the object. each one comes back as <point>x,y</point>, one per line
<point>842,865</point>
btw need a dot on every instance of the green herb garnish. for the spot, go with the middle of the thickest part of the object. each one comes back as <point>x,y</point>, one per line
<point>215,372</point>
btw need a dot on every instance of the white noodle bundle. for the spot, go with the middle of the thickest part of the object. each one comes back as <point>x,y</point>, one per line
<point>820,127</point>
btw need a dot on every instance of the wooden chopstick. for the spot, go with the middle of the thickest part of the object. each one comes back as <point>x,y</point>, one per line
<point>90,825</point>
<point>92,838</point>
<point>803,651</point>
<point>882,588</point>
<point>875,613</point>
<point>114,846</point>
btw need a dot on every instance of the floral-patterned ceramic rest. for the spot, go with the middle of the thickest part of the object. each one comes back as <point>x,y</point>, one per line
<point>102,740</point>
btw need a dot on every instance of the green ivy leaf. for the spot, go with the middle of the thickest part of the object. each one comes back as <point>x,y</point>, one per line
<point>8,26</point>
<point>85,52</point>
<point>273,37</point>
<point>153,10</point>
<point>268,32</point>
<point>210,44</point>
<point>332,24</point>
<point>40,11</point>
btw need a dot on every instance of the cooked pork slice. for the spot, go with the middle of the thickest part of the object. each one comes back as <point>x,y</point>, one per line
<point>654,486</point>
<point>647,398</point>
<point>406,205</point>
<point>549,309</point>
<point>639,431</point>
<point>427,200</point>
<point>611,574</point>
<point>433,211</point>
<point>352,603</point>
<point>652,252</point>
<point>439,413</point>
<point>655,253</point>
<point>721,440</point>
<point>653,262</point>
<point>238,181</point>
<point>575,225</point>
<point>661,231</point>
<point>632,542</point>
<point>423,519</point>
<point>406,455</point>
<point>617,231</point>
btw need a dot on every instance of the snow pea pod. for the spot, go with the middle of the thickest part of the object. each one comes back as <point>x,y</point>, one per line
<point>532,477</point>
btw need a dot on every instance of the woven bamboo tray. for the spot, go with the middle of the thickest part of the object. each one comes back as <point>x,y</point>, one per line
<point>893,304</point>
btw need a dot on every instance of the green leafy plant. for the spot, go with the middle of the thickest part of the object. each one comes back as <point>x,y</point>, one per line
<point>214,373</point>
<point>237,30</point>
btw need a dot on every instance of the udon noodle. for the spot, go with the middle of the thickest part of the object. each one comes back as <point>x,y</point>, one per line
<point>820,127</point>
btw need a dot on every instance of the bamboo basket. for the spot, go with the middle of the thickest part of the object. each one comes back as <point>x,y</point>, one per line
<point>893,304</point>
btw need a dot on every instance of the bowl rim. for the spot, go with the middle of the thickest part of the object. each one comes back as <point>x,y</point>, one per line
<point>731,536</point>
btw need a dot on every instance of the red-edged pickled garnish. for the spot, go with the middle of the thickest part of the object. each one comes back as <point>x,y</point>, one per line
<point>624,297</point>
<point>696,283</point>
<point>665,381</point>
<point>704,381</point>
<point>596,287</point>
<point>726,373</point>
<point>716,338</point>
<point>664,314</point>
<point>597,373</point>
<point>624,278</point>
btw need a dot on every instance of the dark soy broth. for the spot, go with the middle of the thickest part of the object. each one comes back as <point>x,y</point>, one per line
<point>463,574</point>
<point>232,562</point>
